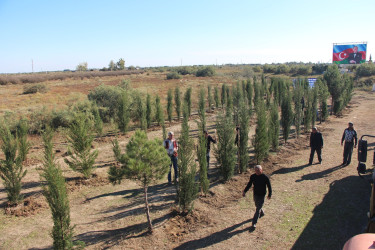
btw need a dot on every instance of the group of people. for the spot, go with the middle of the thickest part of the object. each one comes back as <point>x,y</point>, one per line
<point>349,139</point>
<point>171,145</point>
<point>259,180</point>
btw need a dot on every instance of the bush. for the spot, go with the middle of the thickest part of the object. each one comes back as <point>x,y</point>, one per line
<point>205,71</point>
<point>173,75</point>
<point>365,70</point>
<point>35,88</point>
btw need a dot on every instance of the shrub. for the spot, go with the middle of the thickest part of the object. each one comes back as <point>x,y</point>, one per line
<point>173,75</point>
<point>205,71</point>
<point>35,88</point>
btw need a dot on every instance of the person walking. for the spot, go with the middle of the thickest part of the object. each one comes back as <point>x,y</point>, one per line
<point>209,140</point>
<point>171,146</point>
<point>316,144</point>
<point>260,181</point>
<point>350,137</point>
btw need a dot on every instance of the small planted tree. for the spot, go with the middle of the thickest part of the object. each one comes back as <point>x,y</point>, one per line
<point>144,161</point>
<point>201,154</point>
<point>11,169</point>
<point>169,105</point>
<point>124,112</point>
<point>23,144</point>
<point>201,109</point>
<point>223,95</point>
<point>177,101</point>
<point>298,109</point>
<point>323,94</point>
<point>187,99</point>
<point>80,138</point>
<point>216,97</point>
<point>226,150</point>
<point>209,98</point>
<point>274,127</point>
<point>56,195</point>
<point>148,110</point>
<point>286,115</point>
<point>243,144</point>
<point>159,115</point>
<point>260,140</point>
<point>98,123</point>
<point>187,188</point>
<point>140,111</point>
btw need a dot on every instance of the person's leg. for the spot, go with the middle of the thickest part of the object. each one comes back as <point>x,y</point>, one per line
<point>345,153</point>
<point>311,155</point>
<point>175,167</point>
<point>319,153</point>
<point>170,172</point>
<point>258,200</point>
<point>208,159</point>
<point>350,151</point>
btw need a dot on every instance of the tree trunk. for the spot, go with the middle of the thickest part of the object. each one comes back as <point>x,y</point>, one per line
<point>147,210</point>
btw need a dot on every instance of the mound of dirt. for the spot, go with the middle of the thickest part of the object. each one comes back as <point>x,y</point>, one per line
<point>94,181</point>
<point>30,206</point>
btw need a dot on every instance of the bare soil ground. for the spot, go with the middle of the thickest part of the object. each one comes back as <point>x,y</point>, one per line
<point>313,207</point>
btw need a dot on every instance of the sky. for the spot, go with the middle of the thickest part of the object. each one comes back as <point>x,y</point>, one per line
<point>51,35</point>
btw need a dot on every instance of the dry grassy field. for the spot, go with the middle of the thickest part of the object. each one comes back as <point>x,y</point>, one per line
<point>313,207</point>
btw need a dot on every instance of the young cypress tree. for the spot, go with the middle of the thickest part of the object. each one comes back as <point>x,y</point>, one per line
<point>308,111</point>
<point>256,92</point>
<point>148,110</point>
<point>98,123</point>
<point>11,169</point>
<point>169,105</point>
<point>23,144</point>
<point>80,139</point>
<point>201,108</point>
<point>249,94</point>
<point>145,161</point>
<point>229,107</point>
<point>140,111</point>
<point>124,112</point>
<point>244,119</point>
<point>260,140</point>
<point>274,127</point>
<point>187,99</point>
<point>298,111</point>
<point>56,195</point>
<point>314,106</point>
<point>187,188</point>
<point>177,101</point>
<point>201,154</point>
<point>223,95</point>
<point>216,97</point>
<point>209,98</point>
<point>286,115</point>
<point>226,150</point>
<point>158,110</point>
<point>323,94</point>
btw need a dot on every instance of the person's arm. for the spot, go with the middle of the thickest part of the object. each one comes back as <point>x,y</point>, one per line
<point>212,139</point>
<point>355,138</point>
<point>248,186</point>
<point>269,188</point>
<point>343,137</point>
<point>311,135</point>
<point>321,136</point>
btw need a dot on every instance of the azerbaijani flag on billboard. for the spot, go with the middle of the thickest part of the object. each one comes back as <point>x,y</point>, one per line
<point>349,53</point>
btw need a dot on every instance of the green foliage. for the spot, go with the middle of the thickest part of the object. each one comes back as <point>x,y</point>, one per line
<point>201,109</point>
<point>187,99</point>
<point>23,144</point>
<point>223,95</point>
<point>260,140</point>
<point>148,110</point>
<point>34,88</point>
<point>323,94</point>
<point>201,154</point>
<point>80,139</point>
<point>169,105</point>
<point>177,101</point>
<point>145,161</point>
<point>56,195</point>
<point>243,148</point>
<point>274,127</point>
<point>120,65</point>
<point>308,111</point>
<point>11,169</point>
<point>216,97</point>
<point>173,75</point>
<point>226,151</point>
<point>159,114</point>
<point>298,109</point>
<point>123,115</point>
<point>314,105</point>
<point>82,66</point>
<point>209,98</point>
<point>286,115</point>
<point>335,85</point>
<point>98,123</point>
<point>205,71</point>
<point>139,111</point>
<point>249,95</point>
<point>365,69</point>
<point>187,188</point>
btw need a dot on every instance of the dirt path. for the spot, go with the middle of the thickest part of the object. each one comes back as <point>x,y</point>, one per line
<point>317,207</point>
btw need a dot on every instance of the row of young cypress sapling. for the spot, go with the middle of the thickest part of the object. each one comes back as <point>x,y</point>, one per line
<point>146,160</point>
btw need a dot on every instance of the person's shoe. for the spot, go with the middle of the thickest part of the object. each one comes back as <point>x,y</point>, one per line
<point>344,163</point>
<point>261,215</point>
<point>169,183</point>
<point>348,163</point>
<point>310,163</point>
<point>320,162</point>
<point>254,226</point>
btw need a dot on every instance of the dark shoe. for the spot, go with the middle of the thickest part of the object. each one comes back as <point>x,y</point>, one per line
<point>344,163</point>
<point>254,226</point>
<point>310,163</point>
<point>320,162</point>
<point>169,183</point>
<point>261,215</point>
<point>348,163</point>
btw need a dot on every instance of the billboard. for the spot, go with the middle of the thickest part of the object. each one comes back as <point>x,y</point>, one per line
<point>349,53</point>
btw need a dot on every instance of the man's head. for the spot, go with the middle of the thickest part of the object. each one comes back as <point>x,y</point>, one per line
<point>350,125</point>
<point>258,169</point>
<point>314,130</point>
<point>170,135</point>
<point>355,49</point>
<point>205,132</point>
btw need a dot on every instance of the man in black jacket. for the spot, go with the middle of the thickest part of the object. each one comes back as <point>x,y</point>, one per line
<point>209,140</point>
<point>260,181</point>
<point>316,144</point>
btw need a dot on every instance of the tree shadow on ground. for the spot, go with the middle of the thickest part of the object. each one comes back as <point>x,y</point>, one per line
<point>341,215</point>
<point>317,175</point>
<point>289,170</point>
<point>215,238</point>
<point>112,237</point>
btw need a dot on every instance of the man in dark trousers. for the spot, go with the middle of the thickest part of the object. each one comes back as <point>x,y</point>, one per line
<point>349,136</point>
<point>260,181</point>
<point>209,140</point>
<point>316,144</point>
